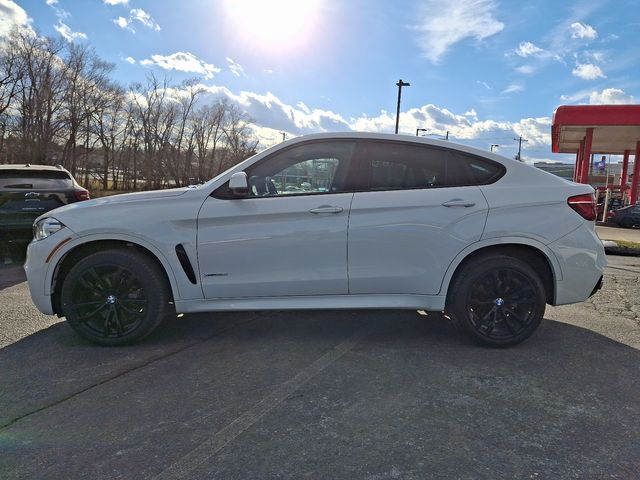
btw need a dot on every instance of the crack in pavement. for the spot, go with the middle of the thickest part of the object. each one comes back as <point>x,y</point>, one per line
<point>184,467</point>
<point>637,272</point>
<point>125,372</point>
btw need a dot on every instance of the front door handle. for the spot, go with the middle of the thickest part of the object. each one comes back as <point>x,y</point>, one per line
<point>325,209</point>
<point>458,202</point>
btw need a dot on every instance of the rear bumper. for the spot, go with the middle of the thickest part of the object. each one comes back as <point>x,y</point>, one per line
<point>582,260</point>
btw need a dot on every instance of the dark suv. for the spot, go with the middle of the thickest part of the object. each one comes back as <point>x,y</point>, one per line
<point>28,191</point>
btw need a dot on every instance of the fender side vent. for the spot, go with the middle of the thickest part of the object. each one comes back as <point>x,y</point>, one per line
<point>186,264</point>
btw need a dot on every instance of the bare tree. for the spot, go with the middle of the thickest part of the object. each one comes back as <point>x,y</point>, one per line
<point>86,79</point>
<point>58,104</point>
<point>41,97</point>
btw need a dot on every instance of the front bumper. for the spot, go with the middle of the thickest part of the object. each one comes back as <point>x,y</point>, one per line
<point>37,270</point>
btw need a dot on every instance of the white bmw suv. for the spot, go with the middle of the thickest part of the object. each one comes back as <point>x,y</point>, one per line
<point>327,221</point>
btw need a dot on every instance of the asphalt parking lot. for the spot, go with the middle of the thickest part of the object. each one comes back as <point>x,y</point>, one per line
<point>355,394</point>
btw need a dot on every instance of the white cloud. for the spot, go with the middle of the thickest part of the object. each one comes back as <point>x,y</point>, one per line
<point>235,68</point>
<point>594,56</point>
<point>514,88</point>
<point>603,97</point>
<point>525,69</point>
<point>588,71</point>
<point>582,31</point>
<point>52,2</point>
<point>182,62</point>
<point>528,49</point>
<point>144,18</point>
<point>471,113</point>
<point>68,34</point>
<point>271,116</point>
<point>484,84</point>
<point>460,127</point>
<point>137,15</point>
<point>123,23</point>
<point>610,96</point>
<point>130,60</point>
<point>115,2</point>
<point>12,15</point>
<point>446,23</point>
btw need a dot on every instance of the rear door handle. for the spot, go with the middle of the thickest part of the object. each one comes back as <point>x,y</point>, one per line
<point>458,202</point>
<point>325,209</point>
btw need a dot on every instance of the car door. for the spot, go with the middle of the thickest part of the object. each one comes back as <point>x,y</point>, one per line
<point>416,209</point>
<point>288,236</point>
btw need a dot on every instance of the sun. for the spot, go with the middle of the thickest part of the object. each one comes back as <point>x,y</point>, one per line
<point>273,23</point>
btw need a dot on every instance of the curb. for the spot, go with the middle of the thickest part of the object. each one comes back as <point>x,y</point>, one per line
<point>627,252</point>
<point>612,248</point>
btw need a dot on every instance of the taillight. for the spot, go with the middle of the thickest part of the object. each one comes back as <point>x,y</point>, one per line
<point>82,195</point>
<point>585,205</point>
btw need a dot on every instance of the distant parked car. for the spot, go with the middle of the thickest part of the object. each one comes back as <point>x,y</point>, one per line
<point>400,223</point>
<point>627,217</point>
<point>28,191</point>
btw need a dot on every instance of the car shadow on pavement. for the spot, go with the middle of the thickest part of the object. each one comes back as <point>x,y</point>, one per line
<point>388,393</point>
<point>11,265</point>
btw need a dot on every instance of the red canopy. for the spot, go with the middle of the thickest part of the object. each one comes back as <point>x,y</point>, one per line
<point>616,128</point>
<point>589,129</point>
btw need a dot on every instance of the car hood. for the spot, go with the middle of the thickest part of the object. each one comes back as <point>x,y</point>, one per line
<point>119,199</point>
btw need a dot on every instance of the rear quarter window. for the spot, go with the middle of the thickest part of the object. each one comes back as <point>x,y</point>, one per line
<point>35,179</point>
<point>467,169</point>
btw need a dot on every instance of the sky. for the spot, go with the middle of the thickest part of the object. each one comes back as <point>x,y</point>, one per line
<point>486,71</point>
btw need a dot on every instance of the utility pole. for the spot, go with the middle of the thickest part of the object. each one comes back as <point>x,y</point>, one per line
<point>284,136</point>
<point>520,140</point>
<point>447,135</point>
<point>400,84</point>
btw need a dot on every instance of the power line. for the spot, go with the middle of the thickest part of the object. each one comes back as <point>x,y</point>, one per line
<point>520,140</point>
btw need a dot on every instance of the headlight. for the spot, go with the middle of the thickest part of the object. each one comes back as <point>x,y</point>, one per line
<point>45,227</point>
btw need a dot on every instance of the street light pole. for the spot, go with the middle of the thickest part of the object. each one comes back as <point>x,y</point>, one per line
<point>400,84</point>
<point>494,145</point>
<point>418,130</point>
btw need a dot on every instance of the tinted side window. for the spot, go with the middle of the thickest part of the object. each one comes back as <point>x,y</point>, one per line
<point>468,169</point>
<point>394,166</point>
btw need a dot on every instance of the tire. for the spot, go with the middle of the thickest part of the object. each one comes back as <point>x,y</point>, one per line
<point>115,297</point>
<point>497,300</point>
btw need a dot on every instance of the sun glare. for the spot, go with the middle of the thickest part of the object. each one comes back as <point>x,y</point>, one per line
<point>273,23</point>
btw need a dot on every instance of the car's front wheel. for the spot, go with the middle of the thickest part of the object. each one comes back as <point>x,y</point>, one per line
<point>115,297</point>
<point>497,300</point>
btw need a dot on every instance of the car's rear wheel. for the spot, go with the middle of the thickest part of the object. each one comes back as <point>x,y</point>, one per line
<point>115,297</point>
<point>497,300</point>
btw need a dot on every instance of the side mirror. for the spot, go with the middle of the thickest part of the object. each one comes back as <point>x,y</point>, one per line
<point>238,183</point>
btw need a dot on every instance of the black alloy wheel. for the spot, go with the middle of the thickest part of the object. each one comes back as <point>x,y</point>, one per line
<point>497,300</point>
<point>115,297</point>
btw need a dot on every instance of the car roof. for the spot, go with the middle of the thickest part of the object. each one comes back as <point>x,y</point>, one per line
<point>29,166</point>
<point>405,139</point>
